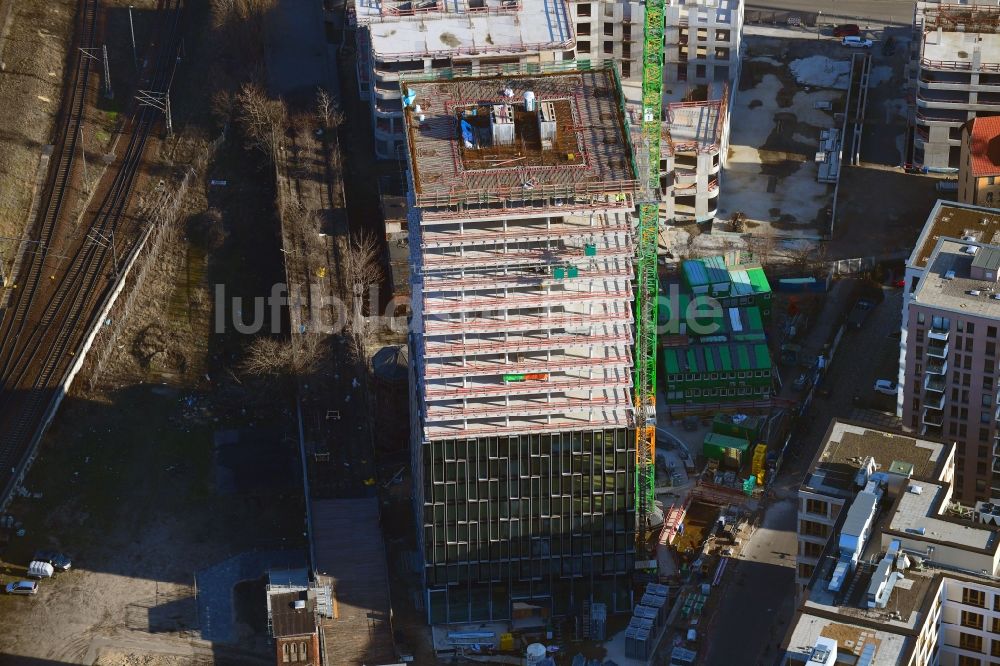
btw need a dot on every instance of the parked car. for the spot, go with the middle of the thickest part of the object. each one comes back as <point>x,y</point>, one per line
<point>856,42</point>
<point>59,561</point>
<point>885,387</point>
<point>846,30</point>
<point>22,587</point>
<point>800,382</point>
<point>40,570</point>
<point>859,313</point>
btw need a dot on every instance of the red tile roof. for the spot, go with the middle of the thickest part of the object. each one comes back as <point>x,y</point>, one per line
<point>985,146</point>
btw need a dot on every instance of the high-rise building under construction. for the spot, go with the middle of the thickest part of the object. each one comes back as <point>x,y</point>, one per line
<point>521,193</point>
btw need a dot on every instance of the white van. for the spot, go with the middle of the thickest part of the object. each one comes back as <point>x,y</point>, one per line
<point>40,570</point>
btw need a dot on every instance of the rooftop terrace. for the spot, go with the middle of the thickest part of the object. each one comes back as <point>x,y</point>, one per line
<point>579,148</point>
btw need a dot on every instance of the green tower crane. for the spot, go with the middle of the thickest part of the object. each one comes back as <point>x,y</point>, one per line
<point>647,282</point>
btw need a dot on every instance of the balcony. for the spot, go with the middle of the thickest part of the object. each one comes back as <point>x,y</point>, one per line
<point>932,418</point>
<point>937,368</point>
<point>939,334</point>
<point>938,350</point>
<point>934,385</point>
<point>935,402</point>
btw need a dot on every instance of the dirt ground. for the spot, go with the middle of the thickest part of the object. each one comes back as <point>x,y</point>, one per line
<point>30,92</point>
<point>131,480</point>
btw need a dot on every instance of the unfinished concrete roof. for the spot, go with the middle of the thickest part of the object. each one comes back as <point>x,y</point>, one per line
<point>959,47</point>
<point>588,153</point>
<point>413,29</point>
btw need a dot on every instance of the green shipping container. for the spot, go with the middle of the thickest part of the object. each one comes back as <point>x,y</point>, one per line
<point>720,447</point>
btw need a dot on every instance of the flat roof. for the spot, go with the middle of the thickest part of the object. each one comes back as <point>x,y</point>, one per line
<point>452,163</point>
<point>890,650</point>
<point>959,46</point>
<point>694,124</point>
<point>846,445</point>
<point>947,283</point>
<point>918,511</point>
<point>412,29</point>
<point>949,219</point>
<point>286,620</point>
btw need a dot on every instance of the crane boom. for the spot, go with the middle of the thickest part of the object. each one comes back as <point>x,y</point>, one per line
<point>647,282</point>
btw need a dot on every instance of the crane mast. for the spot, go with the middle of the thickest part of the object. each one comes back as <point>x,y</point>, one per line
<point>647,282</point>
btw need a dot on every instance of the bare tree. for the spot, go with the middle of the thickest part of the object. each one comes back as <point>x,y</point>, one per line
<point>297,356</point>
<point>363,273</point>
<point>262,119</point>
<point>328,110</point>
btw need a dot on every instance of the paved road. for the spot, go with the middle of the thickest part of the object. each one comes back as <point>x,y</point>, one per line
<point>867,11</point>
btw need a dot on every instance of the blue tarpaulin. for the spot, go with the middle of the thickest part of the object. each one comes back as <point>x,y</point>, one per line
<point>468,134</point>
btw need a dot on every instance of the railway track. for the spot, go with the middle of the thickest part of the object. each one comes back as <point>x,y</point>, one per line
<point>39,336</point>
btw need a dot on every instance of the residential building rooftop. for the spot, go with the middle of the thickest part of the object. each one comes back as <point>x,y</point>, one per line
<point>918,512</point>
<point>847,445</point>
<point>951,282</point>
<point>479,140</point>
<point>949,219</point>
<point>984,140</point>
<point>414,29</point>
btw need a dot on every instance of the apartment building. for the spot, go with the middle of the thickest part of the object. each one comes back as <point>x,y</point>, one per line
<point>397,37</point>
<point>850,453</point>
<point>948,370</point>
<point>521,194</point>
<point>979,169</point>
<point>923,589</point>
<point>956,77</point>
<point>702,41</point>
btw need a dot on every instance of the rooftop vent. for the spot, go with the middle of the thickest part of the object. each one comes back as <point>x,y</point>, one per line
<point>949,275</point>
<point>970,249</point>
<point>299,604</point>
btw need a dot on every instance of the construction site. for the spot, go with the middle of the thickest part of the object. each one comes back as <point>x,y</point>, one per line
<point>521,195</point>
<point>955,74</point>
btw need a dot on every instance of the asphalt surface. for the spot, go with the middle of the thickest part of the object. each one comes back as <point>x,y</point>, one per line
<point>757,599</point>
<point>861,11</point>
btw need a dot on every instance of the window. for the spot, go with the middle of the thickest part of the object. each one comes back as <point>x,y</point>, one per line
<point>810,528</point>
<point>583,46</point>
<point>302,651</point>
<point>995,648</point>
<point>965,660</point>
<point>960,326</point>
<point>973,597</point>
<point>284,653</point>
<point>984,434</point>
<point>609,47</point>
<point>920,318</point>
<point>626,69</point>
<point>806,570</point>
<point>970,328</point>
<point>583,9</point>
<point>972,620</point>
<point>816,506</point>
<point>583,29</point>
<point>991,331</point>
<point>609,29</point>
<point>810,549</point>
<point>991,348</point>
<point>972,642</point>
